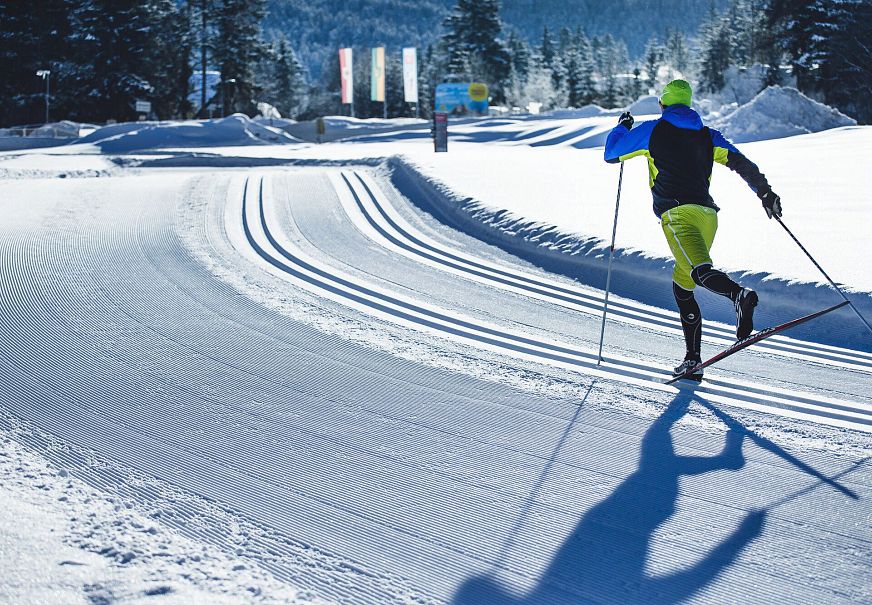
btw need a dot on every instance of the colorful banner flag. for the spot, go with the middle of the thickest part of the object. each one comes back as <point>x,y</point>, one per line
<point>346,71</point>
<point>378,74</point>
<point>410,75</point>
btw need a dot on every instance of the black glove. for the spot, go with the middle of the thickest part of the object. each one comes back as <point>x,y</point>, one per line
<point>626,120</point>
<point>771,203</point>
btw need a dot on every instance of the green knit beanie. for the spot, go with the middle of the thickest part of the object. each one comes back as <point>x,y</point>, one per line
<point>677,92</point>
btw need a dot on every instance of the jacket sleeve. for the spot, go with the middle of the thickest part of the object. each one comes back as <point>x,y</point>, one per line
<point>727,154</point>
<point>623,144</point>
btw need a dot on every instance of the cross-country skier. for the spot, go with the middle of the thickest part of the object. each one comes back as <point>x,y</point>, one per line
<point>680,152</point>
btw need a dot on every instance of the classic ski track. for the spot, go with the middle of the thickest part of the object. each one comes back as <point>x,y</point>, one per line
<point>79,389</point>
<point>345,259</point>
<point>389,229</point>
<point>326,280</point>
<point>74,373</point>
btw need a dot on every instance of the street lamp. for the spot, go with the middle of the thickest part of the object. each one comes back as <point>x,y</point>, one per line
<point>45,74</point>
<point>224,84</point>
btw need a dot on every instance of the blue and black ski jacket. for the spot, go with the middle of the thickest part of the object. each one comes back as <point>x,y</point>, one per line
<point>680,152</point>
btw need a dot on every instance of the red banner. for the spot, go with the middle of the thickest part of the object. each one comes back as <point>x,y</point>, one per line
<point>347,72</point>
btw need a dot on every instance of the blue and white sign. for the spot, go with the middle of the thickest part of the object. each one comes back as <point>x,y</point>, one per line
<point>461,98</point>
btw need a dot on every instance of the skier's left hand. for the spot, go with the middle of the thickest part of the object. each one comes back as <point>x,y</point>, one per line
<point>771,203</point>
<point>626,120</point>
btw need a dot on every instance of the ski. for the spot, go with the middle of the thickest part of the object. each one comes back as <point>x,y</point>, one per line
<point>754,338</point>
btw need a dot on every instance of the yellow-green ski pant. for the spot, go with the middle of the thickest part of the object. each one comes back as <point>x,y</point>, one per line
<point>690,230</point>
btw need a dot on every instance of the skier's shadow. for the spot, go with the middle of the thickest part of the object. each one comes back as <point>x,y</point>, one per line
<point>605,555</point>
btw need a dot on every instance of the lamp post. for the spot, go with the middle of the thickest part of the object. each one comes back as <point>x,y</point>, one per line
<point>224,84</point>
<point>45,74</point>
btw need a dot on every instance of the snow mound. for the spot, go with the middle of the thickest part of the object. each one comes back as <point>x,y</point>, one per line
<point>779,112</point>
<point>275,122</point>
<point>345,123</point>
<point>588,111</point>
<point>231,131</point>
<point>644,106</point>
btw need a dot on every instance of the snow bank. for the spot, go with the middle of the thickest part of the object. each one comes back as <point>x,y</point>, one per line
<point>235,130</point>
<point>588,111</point>
<point>62,129</point>
<point>564,229</point>
<point>274,122</point>
<point>645,106</point>
<point>357,124</point>
<point>779,112</point>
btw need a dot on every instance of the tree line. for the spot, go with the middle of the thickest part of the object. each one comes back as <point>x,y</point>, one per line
<point>106,54</point>
<point>824,45</point>
<point>827,45</point>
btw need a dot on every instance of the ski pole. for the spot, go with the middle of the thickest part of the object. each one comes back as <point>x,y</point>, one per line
<point>824,273</point>
<point>599,357</point>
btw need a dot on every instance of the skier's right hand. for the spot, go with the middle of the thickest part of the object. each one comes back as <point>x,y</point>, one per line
<point>626,120</point>
<point>771,203</point>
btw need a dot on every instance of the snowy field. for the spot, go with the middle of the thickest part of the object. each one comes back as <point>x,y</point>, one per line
<point>239,366</point>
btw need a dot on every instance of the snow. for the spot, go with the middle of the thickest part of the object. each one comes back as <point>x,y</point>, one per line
<point>649,105</point>
<point>63,541</point>
<point>778,112</point>
<point>237,129</point>
<point>205,425</point>
<point>587,111</point>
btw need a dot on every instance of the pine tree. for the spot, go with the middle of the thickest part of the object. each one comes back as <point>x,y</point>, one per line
<point>550,59</point>
<point>538,87</point>
<point>612,59</point>
<point>587,71</point>
<point>473,47</point>
<point>33,36</point>
<point>453,47</point>
<point>520,54</point>
<point>171,70</point>
<point>827,42</point>
<point>237,49</point>
<point>428,79</point>
<point>394,96</point>
<point>637,88</point>
<point>116,49</point>
<point>203,25</point>
<point>846,60</point>
<point>796,22</point>
<point>677,53</point>
<point>653,59</point>
<point>574,90</point>
<point>547,49</point>
<point>565,41</point>
<point>287,86</point>
<point>716,54</point>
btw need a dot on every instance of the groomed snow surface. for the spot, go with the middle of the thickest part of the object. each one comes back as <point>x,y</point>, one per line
<point>239,367</point>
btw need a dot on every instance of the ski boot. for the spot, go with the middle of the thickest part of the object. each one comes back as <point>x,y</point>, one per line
<point>689,362</point>
<point>745,303</point>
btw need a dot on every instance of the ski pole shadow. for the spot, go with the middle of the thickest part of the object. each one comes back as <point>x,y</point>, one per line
<point>605,555</point>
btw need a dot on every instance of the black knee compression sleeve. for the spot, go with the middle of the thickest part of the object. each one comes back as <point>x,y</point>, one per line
<point>691,320</point>
<point>715,281</point>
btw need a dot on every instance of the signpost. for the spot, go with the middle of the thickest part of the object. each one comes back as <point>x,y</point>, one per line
<point>440,132</point>
<point>462,98</point>
<point>320,129</point>
<point>143,108</point>
<point>45,74</point>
